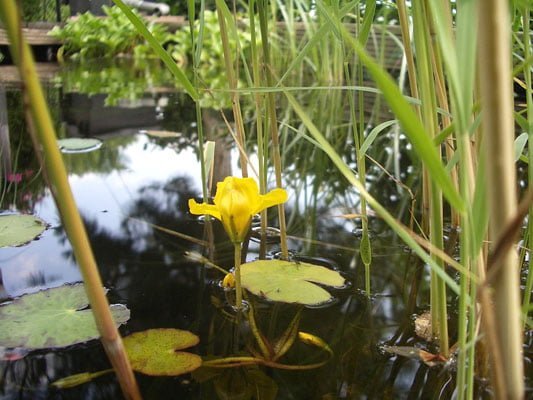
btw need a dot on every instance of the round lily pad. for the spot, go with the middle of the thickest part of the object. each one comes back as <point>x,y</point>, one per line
<point>155,352</point>
<point>18,229</point>
<point>79,145</point>
<point>52,318</point>
<point>289,282</point>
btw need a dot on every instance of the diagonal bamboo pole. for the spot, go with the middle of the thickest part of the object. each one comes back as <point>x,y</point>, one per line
<point>498,129</point>
<point>44,135</point>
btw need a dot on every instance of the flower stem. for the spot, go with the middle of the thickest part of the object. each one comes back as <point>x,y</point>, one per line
<point>238,288</point>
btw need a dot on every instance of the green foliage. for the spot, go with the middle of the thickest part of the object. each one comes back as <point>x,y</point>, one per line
<point>211,70</point>
<point>89,36</point>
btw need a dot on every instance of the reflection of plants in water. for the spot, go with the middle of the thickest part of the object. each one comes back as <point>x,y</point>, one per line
<point>211,71</point>
<point>119,80</point>
<point>23,186</point>
<point>105,160</point>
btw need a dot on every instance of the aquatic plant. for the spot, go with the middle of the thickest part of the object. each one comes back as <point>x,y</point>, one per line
<point>236,201</point>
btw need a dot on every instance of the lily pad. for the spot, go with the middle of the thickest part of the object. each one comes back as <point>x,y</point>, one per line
<point>162,134</point>
<point>52,318</point>
<point>79,145</point>
<point>289,282</point>
<point>155,352</point>
<point>19,229</point>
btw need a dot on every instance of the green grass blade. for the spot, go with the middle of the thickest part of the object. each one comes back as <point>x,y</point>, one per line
<point>411,125</point>
<point>373,134</point>
<point>378,208</point>
<point>160,51</point>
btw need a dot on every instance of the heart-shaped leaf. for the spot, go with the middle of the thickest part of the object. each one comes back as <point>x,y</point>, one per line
<point>155,352</point>
<point>289,282</point>
<point>52,318</point>
<point>18,229</point>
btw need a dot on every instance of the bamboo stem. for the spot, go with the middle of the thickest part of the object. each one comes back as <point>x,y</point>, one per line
<point>498,128</point>
<point>57,175</point>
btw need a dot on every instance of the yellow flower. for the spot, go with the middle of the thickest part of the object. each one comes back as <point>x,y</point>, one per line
<point>237,200</point>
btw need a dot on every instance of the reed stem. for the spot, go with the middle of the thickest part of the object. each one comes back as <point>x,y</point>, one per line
<point>498,129</point>
<point>56,173</point>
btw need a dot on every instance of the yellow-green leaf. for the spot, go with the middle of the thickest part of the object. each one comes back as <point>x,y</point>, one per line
<point>155,352</point>
<point>289,282</point>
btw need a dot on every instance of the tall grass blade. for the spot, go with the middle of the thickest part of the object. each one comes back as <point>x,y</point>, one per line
<point>160,51</point>
<point>407,118</point>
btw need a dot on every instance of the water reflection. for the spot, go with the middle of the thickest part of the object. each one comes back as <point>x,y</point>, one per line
<point>135,182</point>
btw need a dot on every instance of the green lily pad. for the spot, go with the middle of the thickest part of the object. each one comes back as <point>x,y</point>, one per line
<point>52,318</point>
<point>155,352</point>
<point>19,229</point>
<point>289,282</point>
<point>79,145</point>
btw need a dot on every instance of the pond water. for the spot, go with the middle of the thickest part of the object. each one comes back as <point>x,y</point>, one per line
<point>135,182</point>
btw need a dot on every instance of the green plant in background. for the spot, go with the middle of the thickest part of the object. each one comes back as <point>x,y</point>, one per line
<point>89,36</point>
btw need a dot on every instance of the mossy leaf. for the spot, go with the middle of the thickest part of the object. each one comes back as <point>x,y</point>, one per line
<point>52,318</point>
<point>155,352</point>
<point>18,229</point>
<point>289,282</point>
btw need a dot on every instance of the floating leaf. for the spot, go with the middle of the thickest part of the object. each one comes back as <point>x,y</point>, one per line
<point>289,282</point>
<point>52,318</point>
<point>79,145</point>
<point>155,352</point>
<point>18,229</point>
<point>162,134</point>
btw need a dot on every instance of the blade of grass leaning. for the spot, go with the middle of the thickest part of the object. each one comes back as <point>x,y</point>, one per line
<point>42,128</point>
<point>378,208</point>
<point>160,51</point>
<point>407,118</point>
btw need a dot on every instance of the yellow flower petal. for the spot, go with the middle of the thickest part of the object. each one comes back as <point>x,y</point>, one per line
<point>236,201</point>
<point>229,281</point>
<point>272,198</point>
<point>204,208</point>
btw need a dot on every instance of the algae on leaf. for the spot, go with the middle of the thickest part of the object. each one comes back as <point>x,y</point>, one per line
<point>52,318</point>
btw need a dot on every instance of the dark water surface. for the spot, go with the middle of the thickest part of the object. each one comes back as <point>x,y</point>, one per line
<point>135,180</point>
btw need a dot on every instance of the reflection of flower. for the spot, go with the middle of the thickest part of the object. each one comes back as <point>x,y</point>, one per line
<point>236,201</point>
